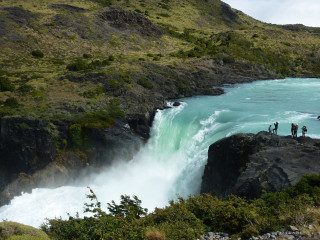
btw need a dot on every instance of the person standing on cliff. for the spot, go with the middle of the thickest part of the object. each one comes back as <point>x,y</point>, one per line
<point>275,130</point>
<point>295,134</point>
<point>292,129</point>
<point>270,129</point>
<point>304,130</point>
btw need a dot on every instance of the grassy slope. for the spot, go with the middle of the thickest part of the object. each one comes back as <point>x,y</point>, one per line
<point>252,41</point>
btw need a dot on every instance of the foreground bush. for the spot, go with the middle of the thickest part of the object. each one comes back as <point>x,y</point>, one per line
<point>191,218</point>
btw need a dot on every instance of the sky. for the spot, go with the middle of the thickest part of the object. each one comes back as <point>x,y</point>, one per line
<point>306,12</point>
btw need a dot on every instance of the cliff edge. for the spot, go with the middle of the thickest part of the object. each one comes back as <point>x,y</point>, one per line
<point>247,164</point>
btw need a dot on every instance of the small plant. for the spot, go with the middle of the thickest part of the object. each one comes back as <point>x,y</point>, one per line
<point>58,61</point>
<point>11,102</point>
<point>25,88</point>
<point>6,85</point>
<point>104,3</point>
<point>111,58</point>
<point>145,83</point>
<point>87,55</point>
<point>24,126</point>
<point>78,65</point>
<point>37,54</point>
<point>75,135</point>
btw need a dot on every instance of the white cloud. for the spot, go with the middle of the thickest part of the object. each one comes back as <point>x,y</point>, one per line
<point>306,12</point>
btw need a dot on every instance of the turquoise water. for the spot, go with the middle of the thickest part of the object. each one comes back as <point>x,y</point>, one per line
<point>172,162</point>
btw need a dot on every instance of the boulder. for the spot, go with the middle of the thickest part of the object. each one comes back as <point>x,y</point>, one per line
<point>247,164</point>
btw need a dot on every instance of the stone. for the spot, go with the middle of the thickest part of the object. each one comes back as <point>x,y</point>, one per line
<point>292,228</point>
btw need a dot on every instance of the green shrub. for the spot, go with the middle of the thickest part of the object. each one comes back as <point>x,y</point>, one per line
<point>166,15</point>
<point>128,208</point>
<point>58,61</point>
<point>111,58</point>
<point>104,3</point>
<point>114,108</point>
<point>6,85</point>
<point>191,218</point>
<point>25,88</point>
<point>87,55</point>
<point>145,83</point>
<point>75,135</point>
<point>24,126</point>
<point>78,65</point>
<point>37,54</point>
<point>11,102</point>
<point>94,93</point>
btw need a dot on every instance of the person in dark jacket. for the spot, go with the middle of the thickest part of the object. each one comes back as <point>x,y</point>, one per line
<point>275,130</point>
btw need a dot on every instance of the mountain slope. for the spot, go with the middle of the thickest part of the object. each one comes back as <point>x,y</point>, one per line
<point>137,52</point>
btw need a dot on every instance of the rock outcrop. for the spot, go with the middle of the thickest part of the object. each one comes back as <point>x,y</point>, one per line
<point>34,153</point>
<point>247,164</point>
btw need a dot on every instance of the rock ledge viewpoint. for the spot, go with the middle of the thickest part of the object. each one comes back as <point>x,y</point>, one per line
<point>247,164</point>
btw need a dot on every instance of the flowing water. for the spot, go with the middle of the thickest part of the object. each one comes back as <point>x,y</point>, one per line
<point>171,163</point>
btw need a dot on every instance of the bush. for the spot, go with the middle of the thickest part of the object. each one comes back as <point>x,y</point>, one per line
<point>11,102</point>
<point>111,58</point>
<point>25,88</point>
<point>87,55</point>
<point>191,218</point>
<point>114,109</point>
<point>75,135</point>
<point>37,54</point>
<point>104,3</point>
<point>78,65</point>
<point>58,61</point>
<point>145,83</point>
<point>6,85</point>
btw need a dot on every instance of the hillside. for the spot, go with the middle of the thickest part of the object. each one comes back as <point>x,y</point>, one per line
<point>137,52</point>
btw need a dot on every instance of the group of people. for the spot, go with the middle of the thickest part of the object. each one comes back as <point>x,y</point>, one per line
<point>294,129</point>
<point>275,129</point>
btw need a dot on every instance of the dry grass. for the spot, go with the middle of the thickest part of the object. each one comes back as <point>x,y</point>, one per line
<point>153,234</point>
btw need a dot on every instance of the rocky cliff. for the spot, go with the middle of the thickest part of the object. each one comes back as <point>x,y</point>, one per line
<point>39,153</point>
<point>247,164</point>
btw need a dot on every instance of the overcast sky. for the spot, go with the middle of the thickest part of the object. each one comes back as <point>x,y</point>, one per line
<point>306,12</point>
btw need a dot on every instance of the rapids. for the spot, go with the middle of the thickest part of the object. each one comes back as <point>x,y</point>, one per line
<point>171,163</point>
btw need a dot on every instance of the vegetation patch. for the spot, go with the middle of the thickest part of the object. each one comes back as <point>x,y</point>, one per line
<point>6,85</point>
<point>191,218</point>
<point>17,231</point>
<point>37,53</point>
<point>144,82</point>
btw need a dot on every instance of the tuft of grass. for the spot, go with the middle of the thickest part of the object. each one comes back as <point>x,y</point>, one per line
<point>18,231</point>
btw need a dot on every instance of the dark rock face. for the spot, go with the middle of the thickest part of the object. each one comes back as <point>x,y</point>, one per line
<point>25,146</point>
<point>124,20</point>
<point>246,164</point>
<point>29,156</point>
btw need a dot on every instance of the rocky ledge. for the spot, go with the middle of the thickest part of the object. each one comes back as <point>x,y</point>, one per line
<point>247,164</point>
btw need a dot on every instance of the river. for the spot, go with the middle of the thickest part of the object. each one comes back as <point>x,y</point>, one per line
<point>171,163</point>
